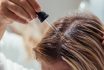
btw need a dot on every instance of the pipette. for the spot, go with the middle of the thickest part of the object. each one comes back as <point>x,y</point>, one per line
<point>42,16</point>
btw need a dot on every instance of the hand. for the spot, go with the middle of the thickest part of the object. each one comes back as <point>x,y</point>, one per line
<point>21,11</point>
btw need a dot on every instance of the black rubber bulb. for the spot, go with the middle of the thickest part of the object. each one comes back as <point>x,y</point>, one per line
<point>42,16</point>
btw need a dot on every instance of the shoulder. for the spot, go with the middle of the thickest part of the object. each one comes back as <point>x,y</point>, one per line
<point>2,62</point>
<point>6,64</point>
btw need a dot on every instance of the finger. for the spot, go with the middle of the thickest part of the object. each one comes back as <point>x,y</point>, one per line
<point>26,6</point>
<point>18,11</point>
<point>14,17</point>
<point>35,5</point>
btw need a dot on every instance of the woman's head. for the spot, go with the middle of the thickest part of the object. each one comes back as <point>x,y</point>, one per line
<point>77,45</point>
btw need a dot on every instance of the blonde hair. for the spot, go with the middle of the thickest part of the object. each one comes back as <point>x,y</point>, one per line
<point>79,42</point>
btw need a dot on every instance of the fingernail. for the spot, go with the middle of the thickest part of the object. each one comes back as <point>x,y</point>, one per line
<point>28,21</point>
<point>24,22</point>
<point>38,9</point>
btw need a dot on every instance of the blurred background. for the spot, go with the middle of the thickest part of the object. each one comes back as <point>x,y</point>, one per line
<point>18,40</point>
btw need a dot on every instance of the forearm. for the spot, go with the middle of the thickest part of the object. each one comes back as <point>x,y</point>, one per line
<point>4,21</point>
<point>2,29</point>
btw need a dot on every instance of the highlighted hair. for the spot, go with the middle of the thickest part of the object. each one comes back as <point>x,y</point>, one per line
<point>79,42</point>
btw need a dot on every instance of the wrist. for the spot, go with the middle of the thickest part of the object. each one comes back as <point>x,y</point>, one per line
<point>2,29</point>
<point>3,25</point>
<point>4,20</point>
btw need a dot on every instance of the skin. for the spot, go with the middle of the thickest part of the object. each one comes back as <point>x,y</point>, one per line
<point>24,11</point>
<point>57,65</point>
<point>21,11</point>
